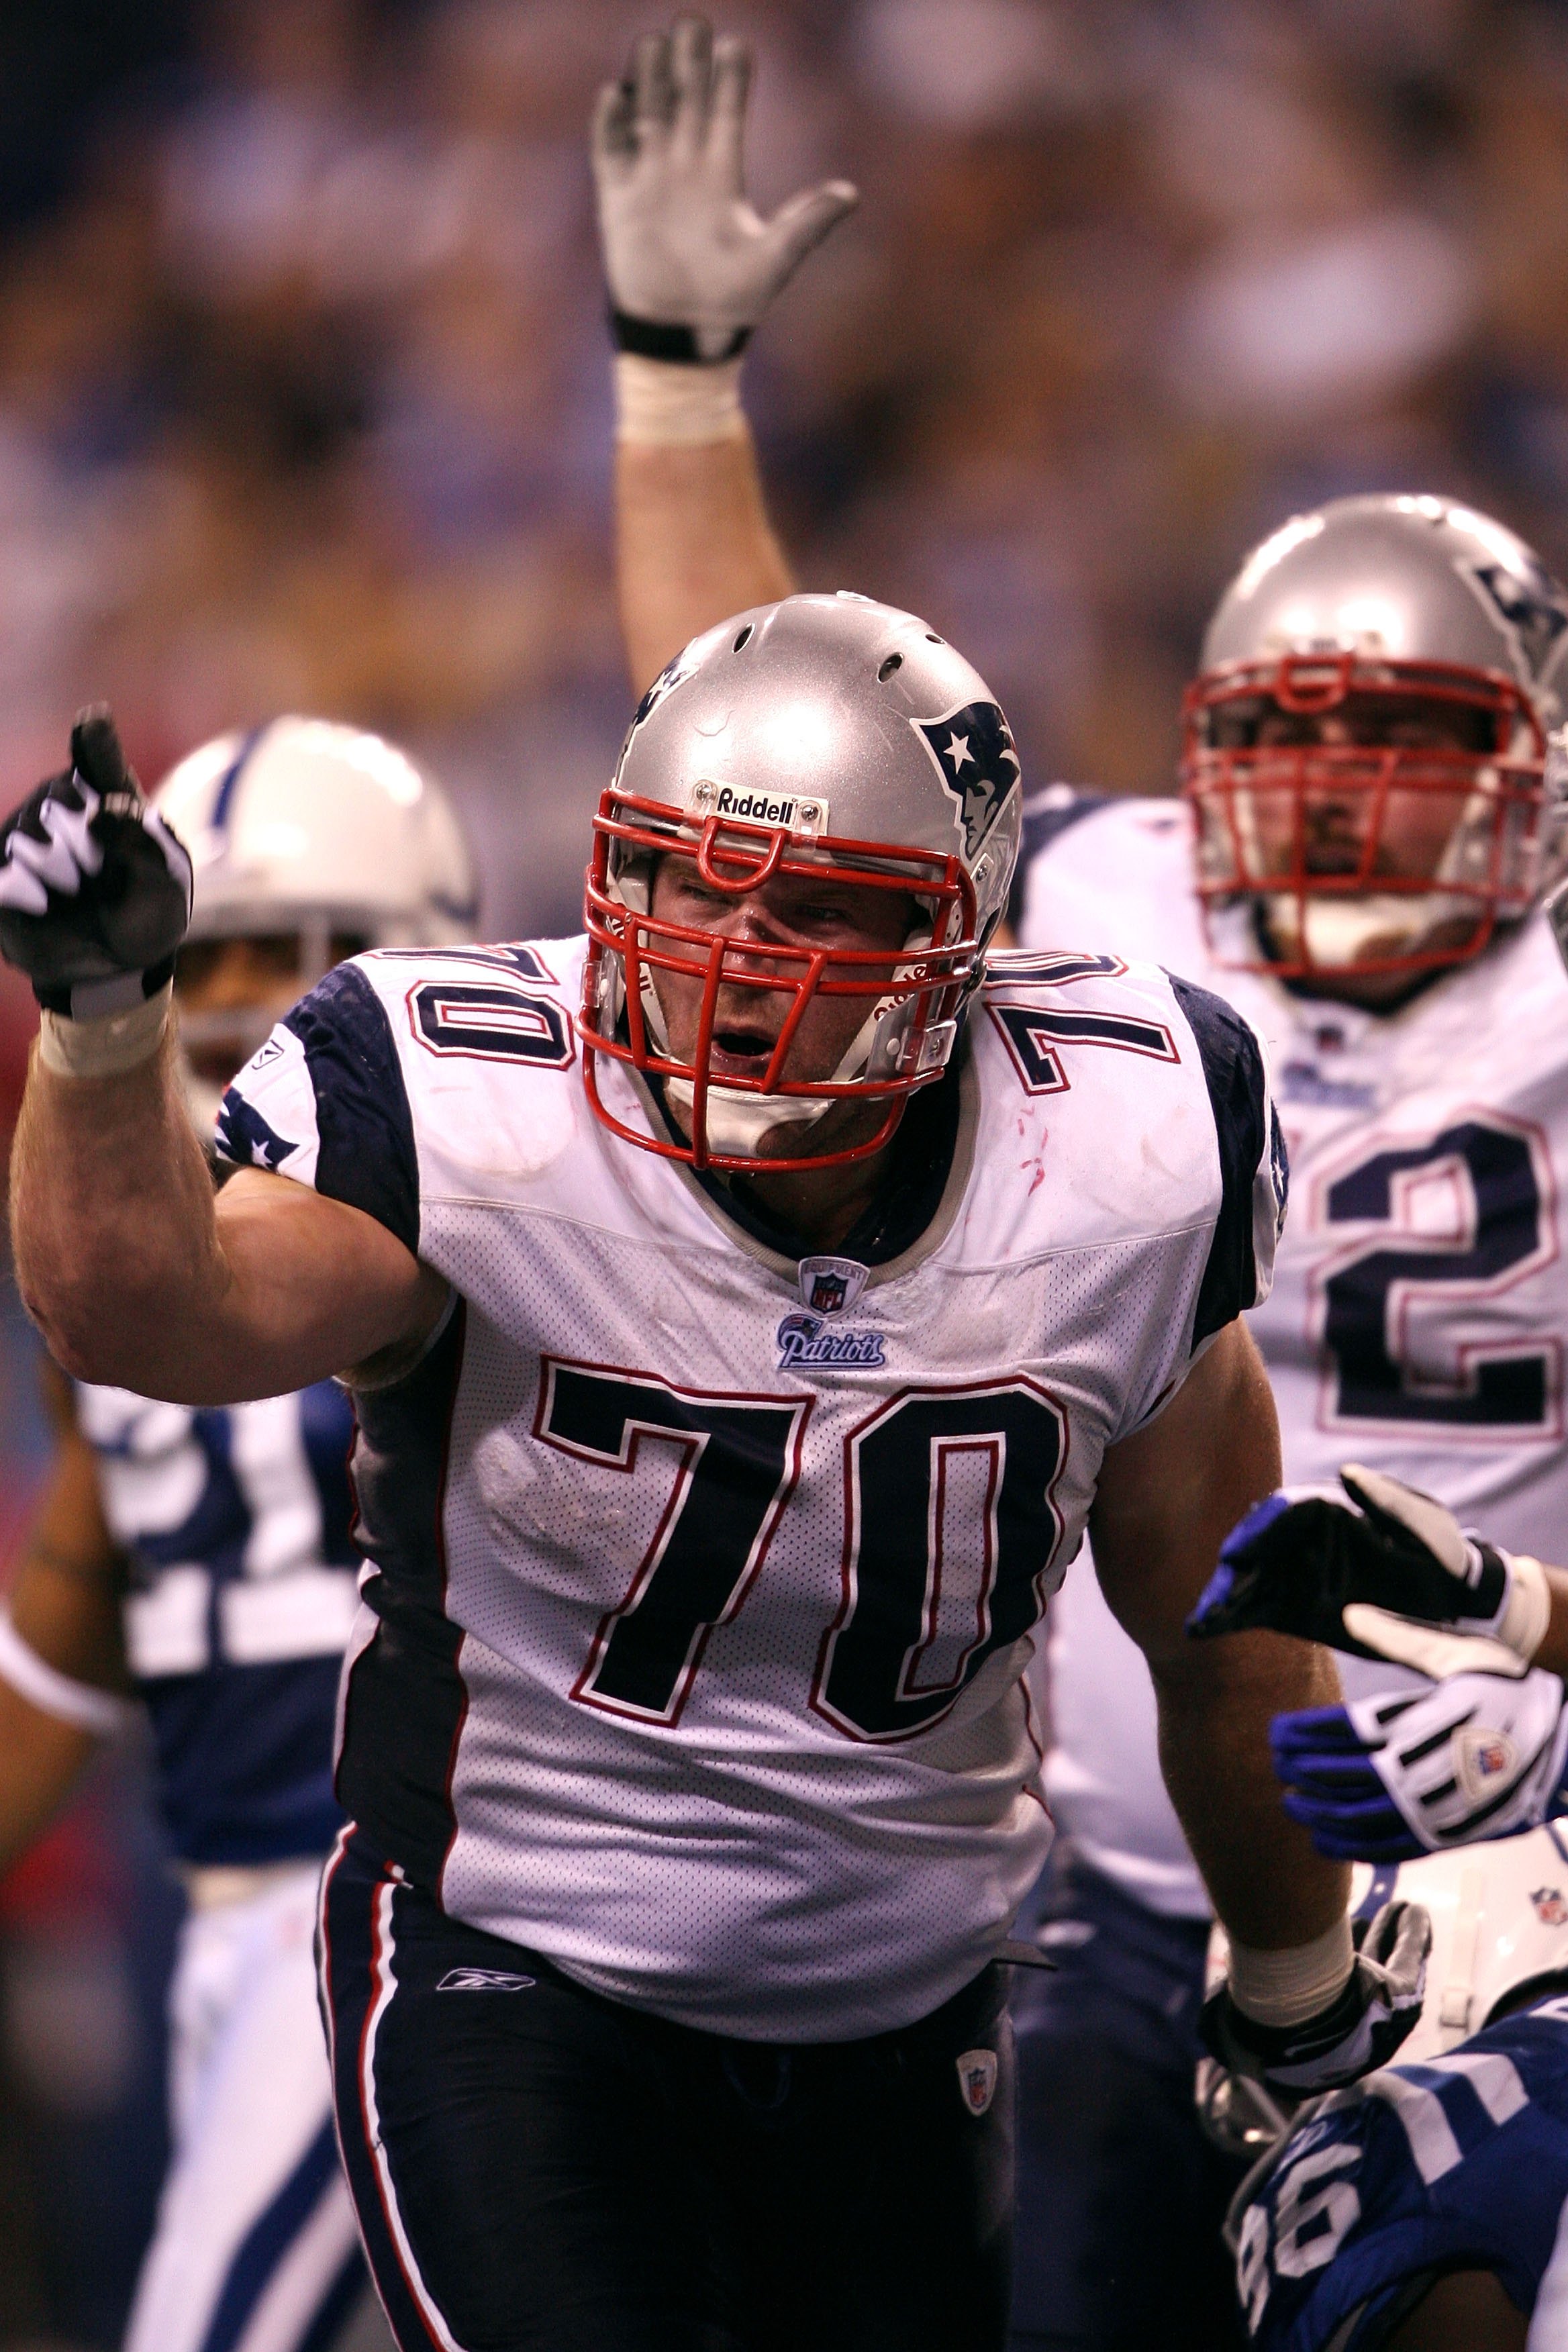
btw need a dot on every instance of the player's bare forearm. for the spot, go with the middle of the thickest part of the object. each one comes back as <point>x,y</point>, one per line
<point>139,1277</point>
<point>1168,1496</point>
<point>693,544</point>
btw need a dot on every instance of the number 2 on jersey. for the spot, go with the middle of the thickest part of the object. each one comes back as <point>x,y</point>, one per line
<point>1463,1219</point>
<point>951,1485</point>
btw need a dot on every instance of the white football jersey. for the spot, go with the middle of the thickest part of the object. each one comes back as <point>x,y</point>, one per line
<point>1419,1306</point>
<point>703,1579</point>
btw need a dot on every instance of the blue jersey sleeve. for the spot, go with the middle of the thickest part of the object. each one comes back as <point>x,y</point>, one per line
<point>1253,1175</point>
<point>324,1102</point>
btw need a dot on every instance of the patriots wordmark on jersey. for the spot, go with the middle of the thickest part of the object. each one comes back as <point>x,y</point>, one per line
<point>242,1598</point>
<point>703,1579</point>
<point>1416,1318</point>
<point>1458,2163</point>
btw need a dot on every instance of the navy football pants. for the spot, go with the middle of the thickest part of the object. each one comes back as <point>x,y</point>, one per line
<point>1116,2243</point>
<point>535,2166</point>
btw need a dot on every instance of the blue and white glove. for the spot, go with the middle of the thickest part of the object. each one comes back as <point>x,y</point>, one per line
<point>1405,1774</point>
<point>691,265</point>
<point>1360,2029</point>
<point>1391,1574</point>
<point>95,888</point>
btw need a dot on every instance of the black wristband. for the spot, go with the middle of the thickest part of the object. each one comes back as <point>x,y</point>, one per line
<point>651,340</point>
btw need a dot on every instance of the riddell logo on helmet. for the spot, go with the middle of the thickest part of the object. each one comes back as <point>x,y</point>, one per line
<point>797,813</point>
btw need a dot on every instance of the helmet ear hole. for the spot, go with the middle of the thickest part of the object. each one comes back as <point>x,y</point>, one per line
<point>743,639</point>
<point>893,662</point>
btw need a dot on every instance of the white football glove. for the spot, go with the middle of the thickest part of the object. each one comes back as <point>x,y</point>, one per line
<point>1405,1774</point>
<point>692,266</point>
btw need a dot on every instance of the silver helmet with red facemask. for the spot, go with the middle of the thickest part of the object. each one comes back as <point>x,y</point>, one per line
<point>827,737</point>
<point>1366,742</point>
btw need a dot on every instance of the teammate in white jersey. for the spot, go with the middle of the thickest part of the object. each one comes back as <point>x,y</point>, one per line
<point>741,1352</point>
<point>1374,872</point>
<point>205,1560</point>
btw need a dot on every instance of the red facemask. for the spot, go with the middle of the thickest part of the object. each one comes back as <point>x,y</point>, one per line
<point>914,991</point>
<point>1314,827</point>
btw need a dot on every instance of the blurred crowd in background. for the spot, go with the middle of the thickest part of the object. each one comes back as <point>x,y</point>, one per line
<point>304,404</point>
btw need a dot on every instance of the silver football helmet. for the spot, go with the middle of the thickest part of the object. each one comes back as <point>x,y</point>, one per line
<point>321,833</point>
<point>825,736</point>
<point>1364,744</point>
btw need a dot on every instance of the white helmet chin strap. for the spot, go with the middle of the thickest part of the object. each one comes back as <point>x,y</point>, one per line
<point>1337,934</point>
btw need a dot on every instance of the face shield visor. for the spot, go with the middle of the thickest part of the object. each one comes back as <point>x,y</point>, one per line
<point>1380,816</point>
<point>639,964</point>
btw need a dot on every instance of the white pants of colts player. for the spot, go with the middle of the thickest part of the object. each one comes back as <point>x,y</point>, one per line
<point>256,2248</point>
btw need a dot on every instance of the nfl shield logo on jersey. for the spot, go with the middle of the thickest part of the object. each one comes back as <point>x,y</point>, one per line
<point>829,1285</point>
<point>1550,1908</point>
<point>977,2079</point>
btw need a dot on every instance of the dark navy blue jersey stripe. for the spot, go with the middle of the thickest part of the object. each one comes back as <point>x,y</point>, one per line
<point>233,774</point>
<point>405,1703</point>
<point>349,1991</point>
<point>366,1156</point>
<point>327,1427</point>
<point>269,2240</point>
<point>1046,816</point>
<point>1238,1096</point>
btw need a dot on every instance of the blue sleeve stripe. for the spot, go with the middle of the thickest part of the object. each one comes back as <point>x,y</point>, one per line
<point>1233,1071</point>
<point>367,1155</point>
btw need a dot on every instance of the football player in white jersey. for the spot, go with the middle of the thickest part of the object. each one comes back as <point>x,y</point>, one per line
<point>739,1353</point>
<point>1365,767</point>
<point>204,1562</point>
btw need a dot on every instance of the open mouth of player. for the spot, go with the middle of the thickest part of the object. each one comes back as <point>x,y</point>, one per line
<point>740,1053</point>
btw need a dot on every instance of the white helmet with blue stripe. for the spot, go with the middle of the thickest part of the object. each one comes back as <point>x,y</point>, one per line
<point>307,832</point>
<point>1500,1941</point>
<point>305,826</point>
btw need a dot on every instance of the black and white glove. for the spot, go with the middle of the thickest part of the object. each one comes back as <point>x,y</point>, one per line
<point>95,888</point>
<point>691,265</point>
<point>1410,1772</point>
<point>1362,2028</point>
<point>1391,1574</point>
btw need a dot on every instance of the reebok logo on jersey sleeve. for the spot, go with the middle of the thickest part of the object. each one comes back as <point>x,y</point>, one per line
<point>269,1115</point>
<point>485,1980</point>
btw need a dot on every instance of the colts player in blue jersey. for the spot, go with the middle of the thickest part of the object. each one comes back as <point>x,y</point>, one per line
<point>201,1563</point>
<point>1429,2208</point>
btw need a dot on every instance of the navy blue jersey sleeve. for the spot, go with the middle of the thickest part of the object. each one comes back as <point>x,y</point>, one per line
<point>324,1102</point>
<point>1253,1172</point>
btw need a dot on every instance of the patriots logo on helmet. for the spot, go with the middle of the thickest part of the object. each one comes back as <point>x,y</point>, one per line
<point>1530,606</point>
<point>973,749</point>
<point>674,673</point>
<point>1551,1909</point>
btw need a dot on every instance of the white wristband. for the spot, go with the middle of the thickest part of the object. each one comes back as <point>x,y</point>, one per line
<point>52,1693</point>
<point>1527,1611</point>
<point>669,404</point>
<point>105,1047</point>
<point>1289,1987</point>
